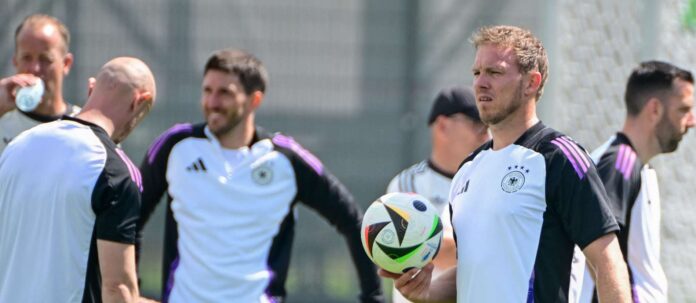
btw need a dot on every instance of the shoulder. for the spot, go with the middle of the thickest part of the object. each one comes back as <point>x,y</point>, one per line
<point>476,152</point>
<point>164,143</point>
<point>620,158</point>
<point>403,181</point>
<point>293,150</point>
<point>414,169</point>
<point>563,152</point>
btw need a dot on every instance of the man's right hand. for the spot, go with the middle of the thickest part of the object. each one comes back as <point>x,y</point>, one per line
<point>413,284</point>
<point>8,87</point>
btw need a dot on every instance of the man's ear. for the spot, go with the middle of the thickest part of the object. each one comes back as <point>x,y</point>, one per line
<point>67,63</point>
<point>256,99</point>
<point>91,82</point>
<point>141,98</point>
<point>533,83</point>
<point>654,109</point>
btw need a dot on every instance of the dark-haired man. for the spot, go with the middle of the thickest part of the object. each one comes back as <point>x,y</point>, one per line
<point>232,189</point>
<point>659,101</point>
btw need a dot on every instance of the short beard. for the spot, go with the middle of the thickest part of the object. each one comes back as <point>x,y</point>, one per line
<point>505,112</point>
<point>667,136</point>
<point>227,127</point>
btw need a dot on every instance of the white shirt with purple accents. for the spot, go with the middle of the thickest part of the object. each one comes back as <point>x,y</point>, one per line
<point>54,208</point>
<point>231,213</point>
<point>517,213</point>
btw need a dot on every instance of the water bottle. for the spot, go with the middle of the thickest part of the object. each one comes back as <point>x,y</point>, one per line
<point>29,97</point>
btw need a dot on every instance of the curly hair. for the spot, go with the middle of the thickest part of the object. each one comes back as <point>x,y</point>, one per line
<point>530,52</point>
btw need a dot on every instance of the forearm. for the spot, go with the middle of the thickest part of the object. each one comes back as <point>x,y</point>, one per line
<point>443,289</point>
<point>610,271</point>
<point>447,256</point>
<point>612,282</point>
<point>117,265</point>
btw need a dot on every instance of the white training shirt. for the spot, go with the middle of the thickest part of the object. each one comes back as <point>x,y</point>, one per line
<point>64,185</point>
<point>230,215</point>
<point>517,213</point>
<point>634,199</point>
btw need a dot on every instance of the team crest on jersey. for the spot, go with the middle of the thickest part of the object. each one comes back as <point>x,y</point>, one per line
<point>514,179</point>
<point>262,175</point>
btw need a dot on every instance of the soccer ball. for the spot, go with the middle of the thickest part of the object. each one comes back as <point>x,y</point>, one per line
<point>401,231</point>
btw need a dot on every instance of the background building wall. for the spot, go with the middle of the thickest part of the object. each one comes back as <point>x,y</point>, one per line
<point>353,82</point>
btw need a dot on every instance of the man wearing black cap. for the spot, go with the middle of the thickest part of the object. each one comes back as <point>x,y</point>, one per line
<point>456,131</point>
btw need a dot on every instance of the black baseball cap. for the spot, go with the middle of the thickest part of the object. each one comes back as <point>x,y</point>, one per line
<point>454,100</point>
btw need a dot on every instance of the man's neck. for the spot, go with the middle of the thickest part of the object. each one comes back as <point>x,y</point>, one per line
<point>99,118</point>
<point>52,107</point>
<point>240,136</point>
<point>506,132</point>
<point>445,162</point>
<point>642,138</point>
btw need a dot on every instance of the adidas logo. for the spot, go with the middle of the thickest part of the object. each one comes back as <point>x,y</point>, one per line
<point>197,165</point>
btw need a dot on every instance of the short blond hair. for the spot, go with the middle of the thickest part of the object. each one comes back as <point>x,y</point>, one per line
<point>530,52</point>
<point>41,19</point>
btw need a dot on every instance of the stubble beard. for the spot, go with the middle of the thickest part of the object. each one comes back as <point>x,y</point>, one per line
<point>504,112</point>
<point>667,135</point>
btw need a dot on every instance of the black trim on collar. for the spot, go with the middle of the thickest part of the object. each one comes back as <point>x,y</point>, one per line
<point>90,124</point>
<point>40,118</point>
<point>438,170</point>
<point>530,133</point>
<point>622,138</point>
<point>527,135</point>
<point>259,134</point>
<point>45,118</point>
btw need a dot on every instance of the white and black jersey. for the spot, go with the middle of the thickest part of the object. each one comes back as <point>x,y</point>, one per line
<point>15,121</point>
<point>635,202</point>
<point>517,213</point>
<point>231,214</point>
<point>64,184</point>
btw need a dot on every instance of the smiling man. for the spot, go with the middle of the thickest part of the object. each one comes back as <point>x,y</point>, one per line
<point>41,52</point>
<point>521,201</point>
<point>232,190</point>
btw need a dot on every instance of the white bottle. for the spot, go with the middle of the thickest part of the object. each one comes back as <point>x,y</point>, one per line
<point>29,97</point>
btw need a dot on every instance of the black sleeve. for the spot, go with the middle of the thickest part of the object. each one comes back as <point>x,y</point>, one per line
<point>622,190</point>
<point>154,170</point>
<point>575,192</point>
<point>323,192</point>
<point>116,201</point>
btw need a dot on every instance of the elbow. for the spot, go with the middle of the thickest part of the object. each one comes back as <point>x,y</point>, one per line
<point>118,291</point>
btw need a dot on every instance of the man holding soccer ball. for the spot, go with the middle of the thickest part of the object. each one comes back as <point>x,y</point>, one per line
<point>523,200</point>
<point>456,130</point>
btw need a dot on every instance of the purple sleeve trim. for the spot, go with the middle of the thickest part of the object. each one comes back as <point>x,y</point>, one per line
<point>625,161</point>
<point>530,290</point>
<point>170,280</point>
<point>579,166</point>
<point>132,169</point>
<point>305,155</point>
<point>159,142</point>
